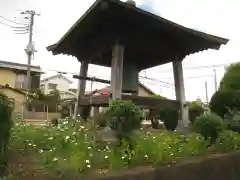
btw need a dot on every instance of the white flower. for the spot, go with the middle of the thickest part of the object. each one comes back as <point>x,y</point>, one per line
<point>41,151</point>
<point>55,159</point>
<point>89,166</point>
<point>89,147</point>
<point>122,157</point>
<point>67,137</point>
<point>106,157</point>
<point>50,138</point>
<point>146,156</point>
<point>87,161</point>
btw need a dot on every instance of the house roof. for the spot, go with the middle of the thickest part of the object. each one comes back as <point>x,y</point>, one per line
<point>106,90</point>
<point>13,89</point>
<point>55,76</point>
<point>19,66</point>
<point>93,35</point>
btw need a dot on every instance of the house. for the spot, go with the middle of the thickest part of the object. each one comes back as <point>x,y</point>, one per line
<point>60,83</point>
<point>142,91</point>
<point>18,98</point>
<point>15,75</point>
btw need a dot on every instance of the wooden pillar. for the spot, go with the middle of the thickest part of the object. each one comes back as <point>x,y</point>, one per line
<point>180,92</point>
<point>81,85</point>
<point>117,71</point>
<point>47,112</point>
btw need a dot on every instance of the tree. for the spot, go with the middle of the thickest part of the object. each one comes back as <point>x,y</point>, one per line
<point>226,101</point>
<point>195,109</point>
<point>231,78</point>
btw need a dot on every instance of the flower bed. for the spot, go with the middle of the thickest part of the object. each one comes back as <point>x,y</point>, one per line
<point>70,151</point>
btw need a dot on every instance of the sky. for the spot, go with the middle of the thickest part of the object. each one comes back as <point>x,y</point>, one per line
<point>218,17</point>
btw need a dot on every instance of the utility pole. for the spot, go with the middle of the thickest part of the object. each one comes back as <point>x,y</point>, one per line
<point>30,49</point>
<point>206,91</point>
<point>215,79</point>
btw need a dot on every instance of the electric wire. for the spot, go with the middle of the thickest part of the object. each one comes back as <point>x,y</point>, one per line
<point>6,24</point>
<point>6,19</point>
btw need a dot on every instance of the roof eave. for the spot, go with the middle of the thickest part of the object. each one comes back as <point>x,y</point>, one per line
<point>54,46</point>
<point>218,41</point>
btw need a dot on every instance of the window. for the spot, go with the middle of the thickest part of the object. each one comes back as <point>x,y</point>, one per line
<point>21,81</point>
<point>52,86</point>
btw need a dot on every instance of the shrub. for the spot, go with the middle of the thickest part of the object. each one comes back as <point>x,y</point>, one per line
<point>64,111</point>
<point>5,127</point>
<point>195,110</point>
<point>222,101</point>
<point>124,118</point>
<point>209,125</point>
<point>101,119</point>
<point>228,141</point>
<point>233,120</point>
<point>170,118</point>
<point>54,122</point>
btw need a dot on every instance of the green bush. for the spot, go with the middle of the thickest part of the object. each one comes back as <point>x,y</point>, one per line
<point>124,118</point>
<point>223,101</point>
<point>64,111</point>
<point>5,128</point>
<point>170,118</point>
<point>54,121</point>
<point>232,119</point>
<point>209,125</point>
<point>228,141</point>
<point>101,119</point>
<point>195,110</point>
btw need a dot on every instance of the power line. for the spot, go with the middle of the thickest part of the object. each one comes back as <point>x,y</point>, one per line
<point>167,84</point>
<point>17,30</point>
<point>6,24</point>
<point>202,67</point>
<point>193,77</point>
<point>12,21</point>
<point>142,77</point>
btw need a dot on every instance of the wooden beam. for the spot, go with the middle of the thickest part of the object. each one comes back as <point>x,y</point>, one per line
<point>92,79</point>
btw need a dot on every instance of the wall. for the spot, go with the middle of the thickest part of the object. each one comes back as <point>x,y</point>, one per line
<point>18,98</point>
<point>213,167</point>
<point>7,77</point>
<point>67,95</point>
<point>62,84</point>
